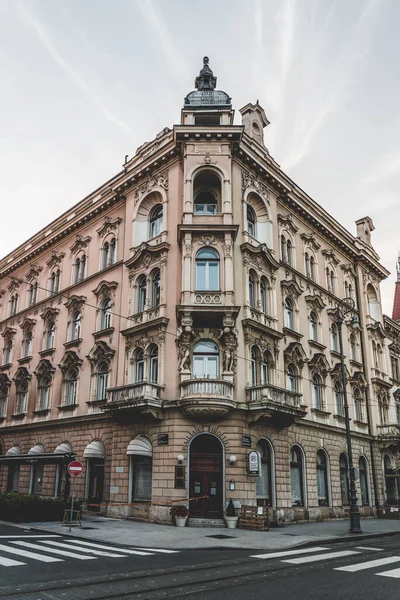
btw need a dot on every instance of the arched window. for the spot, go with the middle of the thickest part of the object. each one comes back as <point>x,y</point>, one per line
<point>205,203</point>
<point>317,392</point>
<point>105,314</point>
<point>358,407</point>
<point>353,355</point>
<point>77,269</point>
<point>263,295</point>
<point>153,364</point>
<point>265,370</point>
<point>346,289</point>
<point>155,220</point>
<point>313,326</point>
<point>28,344</point>
<point>252,300</point>
<point>291,378</point>
<point>207,270</point>
<point>254,365</point>
<point>344,479</point>
<point>139,366</point>
<point>55,282</point>
<point>312,268</point>
<point>71,386</point>
<point>289,313</point>
<point>328,279</point>
<point>322,479</point>
<point>44,392</point>
<point>32,293</point>
<point>332,287</point>
<point>50,335</point>
<point>3,400</point>
<point>142,293</point>
<point>106,254</point>
<point>113,251</point>
<point>363,468</point>
<point>102,381</point>
<point>80,268</point>
<point>109,248</point>
<point>334,337</point>
<point>7,351</point>
<point>372,303</point>
<point>206,360</point>
<point>338,393</point>
<point>307,261</point>
<point>155,289</point>
<point>22,397</point>
<point>283,249</point>
<point>296,476</point>
<point>251,221</point>
<point>390,481</point>
<point>76,326</point>
<point>264,481</point>
<point>289,253</point>
<point>13,304</point>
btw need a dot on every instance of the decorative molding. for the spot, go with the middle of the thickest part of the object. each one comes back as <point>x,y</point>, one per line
<point>348,269</point>
<point>49,314</point>
<point>55,259</point>
<point>310,241</point>
<point>75,303</point>
<point>8,332</point>
<point>357,379</point>
<point>287,223</point>
<point>315,301</point>
<point>156,180</point>
<point>145,255</point>
<point>228,336</point>
<point>70,359</point>
<point>250,180</point>
<point>27,324</point>
<point>13,285</point>
<point>319,363</point>
<point>184,338</point>
<point>105,289</point>
<point>33,272</point>
<point>100,352</point>
<point>22,374</point>
<point>294,353</point>
<point>44,368</point>
<point>330,256</point>
<point>80,243</point>
<point>108,226</point>
<point>291,288</point>
<point>260,256</point>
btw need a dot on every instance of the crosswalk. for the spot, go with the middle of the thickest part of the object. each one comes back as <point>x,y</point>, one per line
<point>317,554</point>
<point>58,548</point>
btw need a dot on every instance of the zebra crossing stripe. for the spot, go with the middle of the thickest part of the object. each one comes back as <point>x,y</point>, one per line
<point>395,573</point>
<point>87,550</point>
<point>289,552</point>
<point>27,536</point>
<point>369,548</point>
<point>102,547</point>
<point>55,551</point>
<point>161,550</point>
<point>327,556</point>
<point>9,562</point>
<point>370,564</point>
<point>27,554</point>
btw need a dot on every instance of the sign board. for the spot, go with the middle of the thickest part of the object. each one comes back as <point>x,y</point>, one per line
<point>75,468</point>
<point>246,441</point>
<point>254,464</point>
<point>163,439</point>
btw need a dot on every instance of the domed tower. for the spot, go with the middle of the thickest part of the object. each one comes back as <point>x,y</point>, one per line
<point>396,302</point>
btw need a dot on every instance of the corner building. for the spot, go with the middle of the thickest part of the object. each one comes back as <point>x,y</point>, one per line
<point>183,315</point>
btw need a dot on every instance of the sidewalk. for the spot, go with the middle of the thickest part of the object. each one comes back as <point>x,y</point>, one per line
<point>149,535</point>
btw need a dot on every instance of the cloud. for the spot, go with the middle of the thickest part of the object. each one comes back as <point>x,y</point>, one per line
<point>389,167</point>
<point>44,38</point>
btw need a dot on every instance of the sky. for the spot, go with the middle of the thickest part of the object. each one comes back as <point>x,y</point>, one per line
<point>83,83</point>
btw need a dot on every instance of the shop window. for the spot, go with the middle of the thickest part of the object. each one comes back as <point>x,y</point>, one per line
<point>344,479</point>
<point>363,469</point>
<point>264,481</point>
<point>322,479</point>
<point>297,476</point>
<point>142,468</point>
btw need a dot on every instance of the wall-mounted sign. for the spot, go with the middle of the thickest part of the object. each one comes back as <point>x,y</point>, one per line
<point>246,441</point>
<point>163,439</point>
<point>254,464</point>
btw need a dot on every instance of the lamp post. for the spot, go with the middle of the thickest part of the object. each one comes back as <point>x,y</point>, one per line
<point>344,308</point>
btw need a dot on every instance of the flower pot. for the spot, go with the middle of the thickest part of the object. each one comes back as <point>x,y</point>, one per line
<point>231,522</point>
<point>180,521</point>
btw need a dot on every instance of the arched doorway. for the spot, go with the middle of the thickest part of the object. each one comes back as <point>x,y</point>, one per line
<point>205,476</point>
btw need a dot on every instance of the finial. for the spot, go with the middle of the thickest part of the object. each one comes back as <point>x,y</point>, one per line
<point>206,60</point>
<point>206,79</point>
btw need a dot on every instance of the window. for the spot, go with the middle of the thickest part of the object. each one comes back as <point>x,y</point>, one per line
<point>362,466</point>
<point>7,351</point>
<point>390,481</point>
<point>251,221</point>
<point>105,315</point>
<point>109,252</point>
<point>13,478</point>
<point>44,393</point>
<point>28,344</point>
<point>397,407</point>
<point>330,280</point>
<point>395,368</point>
<point>383,410</point>
<point>317,392</point>
<point>352,341</point>
<point>155,289</point>
<point>312,268</point>
<point>372,303</point>
<point>154,364</point>
<point>102,381</point>
<point>205,203</point>
<point>344,479</point>
<point>291,379</point>
<point>334,337</point>
<point>265,368</point>
<point>283,249</point>
<point>338,393</point>
<point>206,360</point>
<point>263,295</point>
<point>141,478</point>
<point>71,385</point>
<point>13,304</point>
<point>3,400</point>
<point>289,313</point>
<point>296,476</point>
<point>207,270</point>
<point>155,220</point>
<point>76,326</point>
<point>264,481</point>
<point>289,253</point>
<point>252,300</point>
<point>313,326</point>
<point>254,361</point>
<point>142,293</point>
<point>22,397</point>
<point>37,478</point>
<point>50,335</point>
<point>139,366</point>
<point>55,282</point>
<point>307,261</point>
<point>358,407</point>
<point>80,268</point>
<point>322,479</point>
<point>32,295</point>
<point>106,254</point>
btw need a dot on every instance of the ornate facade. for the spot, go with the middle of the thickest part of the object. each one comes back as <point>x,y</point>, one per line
<point>182,316</point>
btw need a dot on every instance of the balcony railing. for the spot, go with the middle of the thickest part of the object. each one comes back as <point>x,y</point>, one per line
<point>389,431</point>
<point>257,315</point>
<point>134,391</point>
<point>215,388</point>
<point>206,399</point>
<point>146,315</point>
<point>259,393</point>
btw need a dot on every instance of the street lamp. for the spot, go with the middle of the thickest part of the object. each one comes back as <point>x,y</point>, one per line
<point>345,307</point>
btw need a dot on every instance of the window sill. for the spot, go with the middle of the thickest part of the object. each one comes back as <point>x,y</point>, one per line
<point>5,367</point>
<point>66,407</point>
<point>339,418</point>
<point>96,402</point>
<point>103,332</point>
<point>292,332</point>
<point>355,363</point>
<point>72,343</point>
<point>320,412</point>
<point>19,415</point>
<point>2,419</point>
<point>42,411</point>
<point>336,354</point>
<point>24,359</point>
<point>47,352</point>
<point>360,423</point>
<point>317,344</point>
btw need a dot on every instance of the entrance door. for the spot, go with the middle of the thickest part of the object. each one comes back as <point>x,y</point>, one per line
<point>96,483</point>
<point>206,477</point>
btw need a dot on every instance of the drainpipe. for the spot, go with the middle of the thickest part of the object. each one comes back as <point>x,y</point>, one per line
<point>366,395</point>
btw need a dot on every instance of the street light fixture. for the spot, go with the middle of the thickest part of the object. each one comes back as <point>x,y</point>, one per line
<point>344,308</point>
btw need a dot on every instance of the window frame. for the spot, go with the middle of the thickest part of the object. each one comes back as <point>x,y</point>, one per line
<point>207,263</point>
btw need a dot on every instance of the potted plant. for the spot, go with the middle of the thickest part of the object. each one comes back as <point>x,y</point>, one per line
<point>231,518</point>
<point>180,514</point>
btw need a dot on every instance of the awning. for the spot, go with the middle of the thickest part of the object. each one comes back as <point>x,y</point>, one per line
<point>95,450</point>
<point>63,448</point>
<point>38,449</point>
<point>14,451</point>
<point>45,458</point>
<point>141,446</point>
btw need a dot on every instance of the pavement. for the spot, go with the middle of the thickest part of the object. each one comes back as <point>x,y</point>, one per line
<point>151,535</point>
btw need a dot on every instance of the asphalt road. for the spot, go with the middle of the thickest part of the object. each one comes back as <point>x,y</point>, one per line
<point>55,567</point>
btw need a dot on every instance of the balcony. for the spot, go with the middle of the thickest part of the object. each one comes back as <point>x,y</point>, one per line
<point>389,433</point>
<point>206,399</point>
<point>135,401</point>
<point>268,403</point>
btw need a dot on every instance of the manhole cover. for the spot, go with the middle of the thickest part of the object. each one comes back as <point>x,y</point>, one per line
<point>221,536</point>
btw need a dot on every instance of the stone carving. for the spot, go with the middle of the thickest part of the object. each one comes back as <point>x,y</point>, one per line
<point>158,180</point>
<point>55,259</point>
<point>287,224</point>
<point>330,257</point>
<point>109,225</point>
<point>207,298</point>
<point>229,338</point>
<point>33,272</point>
<point>207,240</point>
<point>13,285</point>
<point>251,180</point>
<point>80,243</point>
<point>184,337</point>
<point>310,241</point>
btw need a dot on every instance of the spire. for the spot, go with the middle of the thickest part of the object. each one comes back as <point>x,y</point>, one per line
<point>205,79</point>
<point>205,94</point>
<point>396,302</point>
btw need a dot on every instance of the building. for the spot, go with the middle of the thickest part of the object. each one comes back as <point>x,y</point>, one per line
<point>182,316</point>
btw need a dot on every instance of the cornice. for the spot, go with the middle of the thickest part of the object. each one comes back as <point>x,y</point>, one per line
<point>56,423</point>
<point>208,227</point>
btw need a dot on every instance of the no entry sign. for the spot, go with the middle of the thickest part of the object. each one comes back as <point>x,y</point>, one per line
<point>75,468</point>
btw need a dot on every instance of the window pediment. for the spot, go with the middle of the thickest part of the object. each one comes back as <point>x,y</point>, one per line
<point>260,256</point>
<point>294,353</point>
<point>5,382</point>
<point>319,363</point>
<point>55,259</point>
<point>291,288</point>
<point>105,289</point>
<point>44,368</point>
<point>13,285</point>
<point>49,314</point>
<point>376,331</point>
<point>330,257</point>
<point>250,180</point>
<point>315,301</point>
<point>27,324</point>
<point>108,226</point>
<point>8,332</point>
<point>287,223</point>
<point>33,272</point>
<point>159,180</point>
<point>70,359</point>
<point>358,379</point>
<point>80,243</point>
<point>348,269</point>
<point>310,241</point>
<point>100,352</point>
<point>147,254</point>
<point>22,374</point>
<point>75,303</point>
<point>336,372</point>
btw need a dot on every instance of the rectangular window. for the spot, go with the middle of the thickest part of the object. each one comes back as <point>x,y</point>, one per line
<point>37,479</point>
<point>142,475</point>
<point>180,478</point>
<point>13,478</point>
